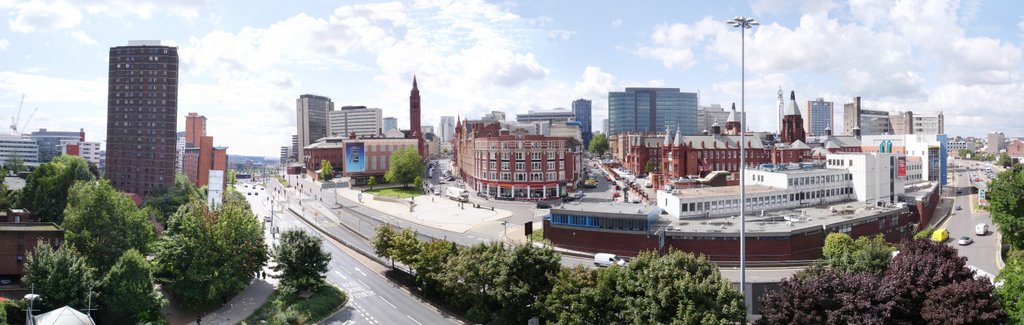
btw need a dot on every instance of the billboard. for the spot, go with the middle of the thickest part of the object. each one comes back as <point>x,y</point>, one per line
<point>215,188</point>
<point>355,158</point>
<point>901,166</point>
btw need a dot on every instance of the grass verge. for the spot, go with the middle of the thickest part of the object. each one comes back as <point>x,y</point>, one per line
<point>402,192</point>
<point>280,179</point>
<point>538,236</point>
<point>286,307</point>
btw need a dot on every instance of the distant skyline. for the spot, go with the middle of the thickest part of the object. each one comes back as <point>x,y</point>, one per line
<point>243,64</point>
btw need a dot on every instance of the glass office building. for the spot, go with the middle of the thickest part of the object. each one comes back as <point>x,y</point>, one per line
<point>652,110</point>
<point>819,117</point>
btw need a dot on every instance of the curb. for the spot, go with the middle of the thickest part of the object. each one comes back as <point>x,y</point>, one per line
<point>340,307</point>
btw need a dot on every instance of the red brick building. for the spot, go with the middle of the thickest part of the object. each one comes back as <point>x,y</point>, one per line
<point>18,237</point>
<point>515,165</point>
<point>357,158</point>
<point>1015,148</point>
<point>200,155</point>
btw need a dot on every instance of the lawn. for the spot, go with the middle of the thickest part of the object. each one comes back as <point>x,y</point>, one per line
<point>285,307</point>
<point>402,192</point>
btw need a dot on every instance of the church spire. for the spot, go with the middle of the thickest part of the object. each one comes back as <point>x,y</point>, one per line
<point>414,83</point>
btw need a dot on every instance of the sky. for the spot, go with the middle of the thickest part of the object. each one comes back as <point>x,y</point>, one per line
<point>244,63</point>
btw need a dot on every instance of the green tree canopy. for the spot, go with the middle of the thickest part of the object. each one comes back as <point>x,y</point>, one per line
<point>581,295</point>
<point>372,182</point>
<point>866,254</point>
<point>103,223</point>
<point>404,166</point>
<point>1011,293</point>
<point>599,144</point>
<point>326,171</point>
<point>206,256</point>
<point>1006,203</point>
<point>128,292</point>
<point>301,260</point>
<point>46,189</point>
<point>383,242</point>
<point>62,277</point>
<point>167,200</point>
<point>232,177</point>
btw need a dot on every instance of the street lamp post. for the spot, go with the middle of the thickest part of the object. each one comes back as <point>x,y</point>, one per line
<point>743,23</point>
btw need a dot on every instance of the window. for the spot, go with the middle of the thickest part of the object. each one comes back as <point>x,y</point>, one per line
<point>520,165</point>
<point>519,155</point>
<point>504,165</point>
<point>551,165</point>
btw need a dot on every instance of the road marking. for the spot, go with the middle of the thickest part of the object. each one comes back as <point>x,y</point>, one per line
<point>342,275</point>
<point>389,303</point>
<point>414,320</point>
<point>364,284</point>
<point>360,271</point>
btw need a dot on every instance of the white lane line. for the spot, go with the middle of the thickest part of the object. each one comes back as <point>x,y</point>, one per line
<point>360,271</point>
<point>414,320</point>
<point>389,303</point>
<point>342,275</point>
<point>364,284</point>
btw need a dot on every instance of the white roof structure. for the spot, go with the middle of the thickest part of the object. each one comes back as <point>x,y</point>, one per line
<point>732,114</point>
<point>64,316</point>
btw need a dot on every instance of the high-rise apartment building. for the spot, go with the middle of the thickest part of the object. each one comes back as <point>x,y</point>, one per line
<point>293,152</point>
<point>819,117</point>
<point>581,110</point>
<point>996,143</point>
<point>180,149</point>
<point>390,123</point>
<point>362,121</point>
<point>446,129</point>
<point>311,119</point>
<point>195,127</point>
<point>49,142</point>
<point>652,110</point>
<point>142,122</point>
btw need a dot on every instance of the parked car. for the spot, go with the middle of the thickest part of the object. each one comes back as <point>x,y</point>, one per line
<point>649,185</point>
<point>965,241</point>
<point>605,259</point>
<point>543,204</point>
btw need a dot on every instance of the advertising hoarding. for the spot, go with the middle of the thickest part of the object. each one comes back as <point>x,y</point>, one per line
<point>901,166</point>
<point>355,158</point>
<point>215,189</point>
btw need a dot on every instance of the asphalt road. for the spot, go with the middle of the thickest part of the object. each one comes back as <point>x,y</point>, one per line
<point>984,252</point>
<point>373,299</point>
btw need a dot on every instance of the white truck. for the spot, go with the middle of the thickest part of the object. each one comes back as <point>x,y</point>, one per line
<point>457,194</point>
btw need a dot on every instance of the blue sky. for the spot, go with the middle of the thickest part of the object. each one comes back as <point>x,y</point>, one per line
<point>245,62</point>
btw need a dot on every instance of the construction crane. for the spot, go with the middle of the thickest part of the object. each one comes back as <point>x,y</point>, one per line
<point>14,119</point>
<point>25,126</point>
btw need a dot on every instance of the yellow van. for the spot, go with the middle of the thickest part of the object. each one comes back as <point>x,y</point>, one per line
<point>940,235</point>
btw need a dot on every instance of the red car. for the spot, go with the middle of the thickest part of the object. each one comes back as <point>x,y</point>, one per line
<point>615,195</point>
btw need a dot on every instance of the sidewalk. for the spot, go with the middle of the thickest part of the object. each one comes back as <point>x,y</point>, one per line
<point>430,210</point>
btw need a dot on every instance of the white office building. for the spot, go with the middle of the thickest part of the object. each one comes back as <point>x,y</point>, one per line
<point>89,150</point>
<point>19,146</point>
<point>360,120</point>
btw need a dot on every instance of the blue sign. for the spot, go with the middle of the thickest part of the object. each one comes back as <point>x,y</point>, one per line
<point>355,158</point>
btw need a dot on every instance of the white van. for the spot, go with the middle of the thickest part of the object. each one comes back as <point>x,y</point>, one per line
<point>981,229</point>
<point>605,259</point>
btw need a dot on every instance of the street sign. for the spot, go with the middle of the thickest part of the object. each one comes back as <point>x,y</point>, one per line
<point>528,228</point>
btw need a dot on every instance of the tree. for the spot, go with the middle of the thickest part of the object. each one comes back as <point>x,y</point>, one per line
<point>1007,205</point>
<point>418,182</point>
<point>167,200</point>
<point>1004,160</point>
<point>599,144</point>
<point>829,297</point>
<point>964,153</point>
<point>406,247</point>
<point>966,302</point>
<point>103,223</point>
<point>649,166</point>
<point>14,164</point>
<point>301,260</point>
<point>383,242</point>
<point>1011,293</point>
<point>207,256</point>
<point>404,166</point>
<point>430,262</point>
<point>326,171</point>
<point>582,295</point>
<point>231,177</point>
<point>60,276</point>
<point>46,189</point>
<point>866,254</point>
<point>678,288</point>
<point>128,293</point>
<point>372,182</point>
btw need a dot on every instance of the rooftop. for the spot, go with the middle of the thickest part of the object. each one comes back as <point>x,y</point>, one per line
<point>639,210</point>
<point>720,191</point>
<point>780,222</point>
<point>28,226</point>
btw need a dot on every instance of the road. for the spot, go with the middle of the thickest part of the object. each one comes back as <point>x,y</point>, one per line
<point>372,298</point>
<point>984,252</point>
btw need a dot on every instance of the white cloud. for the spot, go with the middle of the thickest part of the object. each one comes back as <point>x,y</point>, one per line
<point>83,38</point>
<point>673,44</point>
<point>561,34</point>
<point>617,22</point>
<point>44,16</point>
<point>4,44</point>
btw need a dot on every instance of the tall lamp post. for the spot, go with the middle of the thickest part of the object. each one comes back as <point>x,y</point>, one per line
<point>743,23</point>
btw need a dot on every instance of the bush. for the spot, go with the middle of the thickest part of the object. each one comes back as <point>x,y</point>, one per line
<point>286,307</point>
<point>925,233</point>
